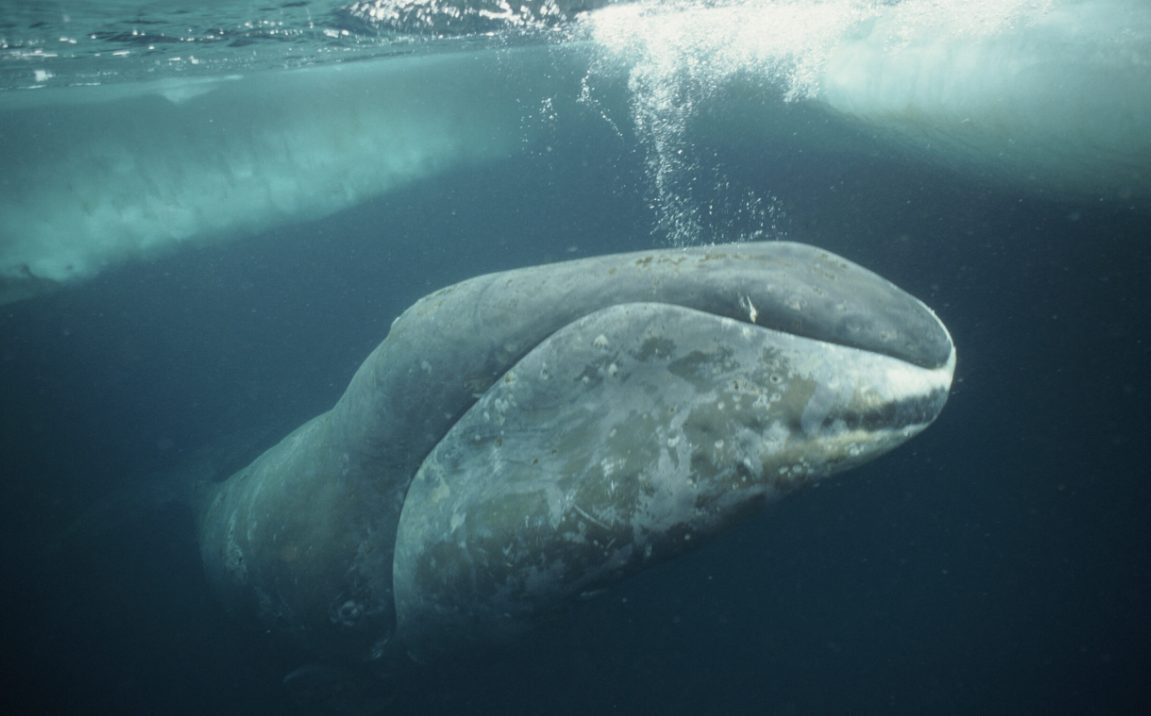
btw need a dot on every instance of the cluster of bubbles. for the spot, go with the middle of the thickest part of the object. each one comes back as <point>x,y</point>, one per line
<point>679,57</point>
<point>684,56</point>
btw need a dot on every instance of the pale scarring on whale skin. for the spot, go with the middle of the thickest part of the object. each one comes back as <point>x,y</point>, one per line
<point>668,425</point>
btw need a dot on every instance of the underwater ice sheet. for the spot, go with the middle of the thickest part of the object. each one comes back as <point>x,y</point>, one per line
<point>134,129</point>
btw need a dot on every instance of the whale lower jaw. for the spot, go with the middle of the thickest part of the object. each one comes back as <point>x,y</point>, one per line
<point>620,441</point>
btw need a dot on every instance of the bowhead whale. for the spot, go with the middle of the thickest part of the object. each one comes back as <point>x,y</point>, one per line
<point>524,438</point>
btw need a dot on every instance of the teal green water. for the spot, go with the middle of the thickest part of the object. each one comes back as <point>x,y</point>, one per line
<point>207,225</point>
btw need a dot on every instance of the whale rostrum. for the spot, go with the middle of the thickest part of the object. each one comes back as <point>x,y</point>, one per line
<point>524,438</point>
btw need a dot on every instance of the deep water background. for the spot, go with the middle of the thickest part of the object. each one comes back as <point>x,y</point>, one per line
<point>997,564</point>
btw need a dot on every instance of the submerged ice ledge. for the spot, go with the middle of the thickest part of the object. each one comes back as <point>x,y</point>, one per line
<point>1052,96</point>
<point>1048,97</point>
<point>97,175</point>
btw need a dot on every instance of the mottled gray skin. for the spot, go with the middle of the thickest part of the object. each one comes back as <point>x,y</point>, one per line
<point>623,439</point>
<point>627,404</point>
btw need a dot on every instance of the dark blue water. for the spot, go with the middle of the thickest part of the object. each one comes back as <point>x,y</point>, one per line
<point>997,564</point>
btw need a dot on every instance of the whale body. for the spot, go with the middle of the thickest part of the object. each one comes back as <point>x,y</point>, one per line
<point>524,438</point>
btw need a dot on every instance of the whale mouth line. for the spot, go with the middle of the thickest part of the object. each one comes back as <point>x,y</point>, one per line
<point>752,319</point>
